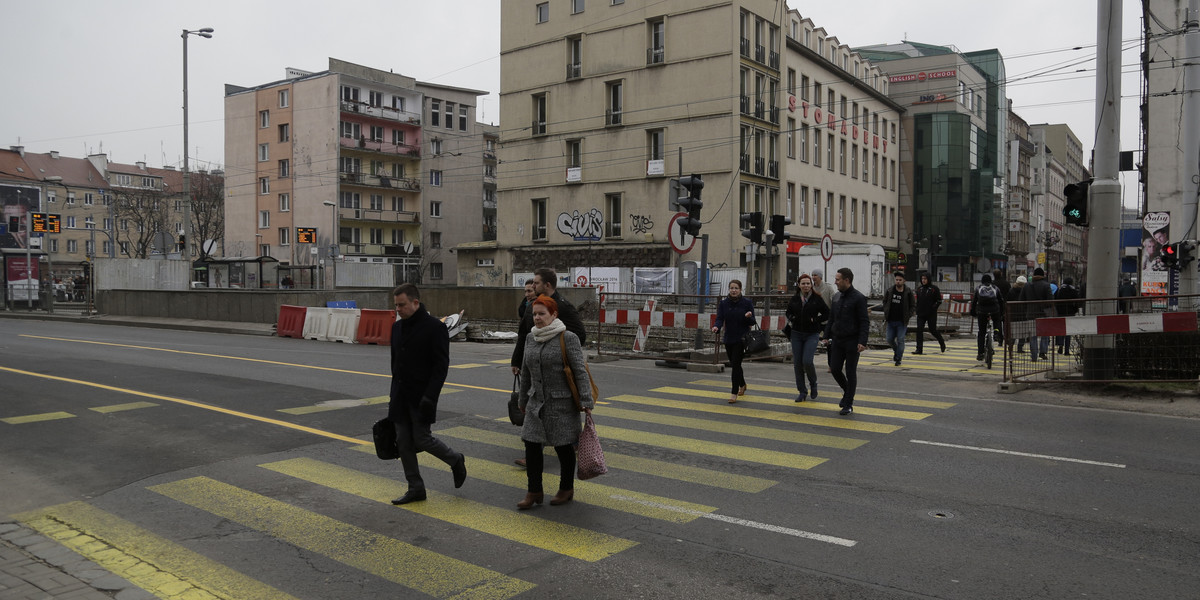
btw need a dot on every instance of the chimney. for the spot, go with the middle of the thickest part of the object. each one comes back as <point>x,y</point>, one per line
<point>141,165</point>
<point>54,154</point>
<point>169,167</point>
<point>18,149</point>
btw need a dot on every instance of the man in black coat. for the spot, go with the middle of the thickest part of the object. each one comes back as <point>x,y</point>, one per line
<point>929,298</point>
<point>1037,292</point>
<point>1066,291</point>
<point>846,334</point>
<point>420,361</point>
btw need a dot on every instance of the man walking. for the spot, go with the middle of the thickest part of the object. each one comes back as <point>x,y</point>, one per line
<point>1066,291</point>
<point>545,283</point>
<point>846,336</point>
<point>822,287</point>
<point>929,298</point>
<point>898,307</point>
<point>1039,294</point>
<point>420,361</point>
<point>987,305</point>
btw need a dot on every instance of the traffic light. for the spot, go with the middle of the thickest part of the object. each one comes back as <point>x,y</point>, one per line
<point>691,203</point>
<point>935,244</point>
<point>1170,256</point>
<point>14,224</point>
<point>778,222</point>
<point>752,227</point>
<point>1076,207</point>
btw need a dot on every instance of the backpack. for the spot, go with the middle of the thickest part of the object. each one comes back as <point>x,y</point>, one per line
<point>987,293</point>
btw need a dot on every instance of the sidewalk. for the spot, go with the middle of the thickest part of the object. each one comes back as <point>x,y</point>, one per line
<point>33,567</point>
<point>74,314</point>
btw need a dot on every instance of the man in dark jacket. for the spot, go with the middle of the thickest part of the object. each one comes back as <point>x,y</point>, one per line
<point>929,298</point>
<point>987,305</point>
<point>899,304</point>
<point>420,361</point>
<point>846,334</point>
<point>1038,293</point>
<point>1066,291</point>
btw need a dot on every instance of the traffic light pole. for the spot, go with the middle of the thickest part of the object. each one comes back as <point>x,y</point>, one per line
<point>1191,145</point>
<point>702,291</point>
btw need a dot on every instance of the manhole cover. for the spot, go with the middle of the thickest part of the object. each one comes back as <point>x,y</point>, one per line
<point>941,514</point>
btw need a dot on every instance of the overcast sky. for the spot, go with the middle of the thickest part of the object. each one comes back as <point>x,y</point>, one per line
<point>107,76</point>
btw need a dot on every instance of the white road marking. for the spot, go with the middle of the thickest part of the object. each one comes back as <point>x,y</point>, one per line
<point>997,451</point>
<point>746,523</point>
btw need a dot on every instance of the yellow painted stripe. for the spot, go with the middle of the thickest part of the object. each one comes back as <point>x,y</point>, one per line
<point>408,565</point>
<point>150,562</point>
<point>124,407</point>
<point>502,361</point>
<point>467,366</point>
<point>507,523</point>
<point>635,464</point>
<point>807,405</point>
<point>779,389</point>
<point>741,410</point>
<point>756,431</point>
<point>340,405</point>
<point>50,416</point>
<point>191,403</point>
<point>244,359</point>
<point>586,492</point>
<point>696,446</point>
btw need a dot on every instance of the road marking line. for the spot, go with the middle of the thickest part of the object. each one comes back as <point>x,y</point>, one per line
<point>191,403</point>
<point>50,416</point>
<point>123,407</point>
<point>150,562</point>
<point>422,570</point>
<point>792,390</point>
<point>520,527</point>
<point>586,492</point>
<point>754,398</point>
<point>502,361</point>
<point>756,431</point>
<point>635,464</point>
<point>756,413</point>
<point>1026,454</point>
<point>766,527</point>
<point>697,446</point>
<point>467,366</point>
<point>241,358</point>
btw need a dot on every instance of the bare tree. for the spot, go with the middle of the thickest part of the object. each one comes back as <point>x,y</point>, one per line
<point>208,210</point>
<point>141,213</point>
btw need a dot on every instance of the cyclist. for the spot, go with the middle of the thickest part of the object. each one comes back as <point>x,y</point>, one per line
<point>987,306</point>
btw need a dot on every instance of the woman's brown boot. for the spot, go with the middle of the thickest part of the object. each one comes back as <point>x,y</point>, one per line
<point>531,499</point>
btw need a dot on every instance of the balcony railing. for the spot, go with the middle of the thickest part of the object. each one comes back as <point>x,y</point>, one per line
<point>773,169</point>
<point>396,183</point>
<point>612,117</point>
<point>759,109</point>
<point>382,112</point>
<point>538,128</point>
<point>759,165</point>
<point>655,56</point>
<point>745,47</point>
<point>379,250</point>
<point>773,61</point>
<point>378,216</point>
<point>760,54</point>
<point>774,112</point>
<point>745,105</point>
<point>744,163</point>
<point>573,71</point>
<point>381,146</point>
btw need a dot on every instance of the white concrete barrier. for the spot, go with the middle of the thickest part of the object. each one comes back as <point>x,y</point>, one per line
<point>316,323</point>
<point>343,325</point>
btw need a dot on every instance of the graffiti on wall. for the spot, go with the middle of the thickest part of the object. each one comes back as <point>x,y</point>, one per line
<point>582,227</point>
<point>641,223</point>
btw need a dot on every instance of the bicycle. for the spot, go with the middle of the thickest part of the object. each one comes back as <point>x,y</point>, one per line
<point>989,339</point>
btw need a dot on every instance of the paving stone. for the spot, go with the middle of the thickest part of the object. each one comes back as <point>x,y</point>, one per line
<point>111,583</point>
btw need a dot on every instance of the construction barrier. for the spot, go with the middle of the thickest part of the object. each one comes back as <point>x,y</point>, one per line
<point>291,321</point>
<point>316,323</point>
<point>341,304</point>
<point>375,326</point>
<point>343,325</point>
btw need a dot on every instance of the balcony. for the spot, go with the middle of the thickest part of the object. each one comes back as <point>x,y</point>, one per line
<point>573,71</point>
<point>745,105</point>
<point>381,146</point>
<point>382,181</point>
<point>378,250</point>
<point>774,114</point>
<point>656,56</point>
<point>759,109</point>
<point>382,112</point>
<point>773,169</point>
<point>489,180</point>
<point>612,118</point>
<point>773,61</point>
<point>744,163</point>
<point>489,155</point>
<point>745,47</point>
<point>760,165</point>
<point>378,216</point>
<point>760,54</point>
<point>538,128</point>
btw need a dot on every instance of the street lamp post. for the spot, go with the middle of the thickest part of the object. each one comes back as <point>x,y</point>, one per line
<point>332,238</point>
<point>187,178</point>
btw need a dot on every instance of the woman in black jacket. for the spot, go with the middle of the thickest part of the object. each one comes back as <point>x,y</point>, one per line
<point>806,314</point>
<point>736,314</point>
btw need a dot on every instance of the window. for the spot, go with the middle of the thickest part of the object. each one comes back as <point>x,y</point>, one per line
<point>87,199</point>
<point>435,178</point>
<point>804,142</point>
<point>348,164</point>
<point>462,118</point>
<point>435,271</point>
<point>54,245</point>
<point>349,94</point>
<point>616,2</point>
<point>285,236</point>
<point>375,202</point>
<point>829,154</point>
<point>864,217</point>
<point>264,152</point>
<point>574,153</point>
<point>804,87</point>
<point>435,146</point>
<point>264,185</point>
<point>841,212</point>
<point>397,171</point>
<point>539,219</point>
<point>285,203</point>
<point>791,200</point>
<point>613,113</point>
<point>435,208</point>
<point>285,169</point>
<point>350,200</point>
<point>375,98</point>
<point>351,130</point>
<point>264,219</point>
<point>375,235</point>
<point>435,239</point>
<point>543,12</point>
<point>285,132</point>
<point>264,119</point>
<point>853,215</point>
<point>612,207</point>
<point>72,246</point>
<point>435,112</point>
<point>656,139</point>
<point>283,98</point>
<point>853,160</point>
<point>803,212</point>
<point>656,54</point>
<point>791,137</point>
<point>449,115</point>
<point>398,137</point>
<point>539,114</point>
<point>817,94</point>
<point>88,223</point>
<point>51,197</point>
<point>576,6</point>
<point>376,133</point>
<point>816,160</point>
<point>377,168</point>
<point>829,209</point>
<point>865,171</point>
<point>574,56</point>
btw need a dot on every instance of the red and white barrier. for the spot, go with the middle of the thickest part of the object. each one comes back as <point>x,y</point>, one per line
<point>1111,324</point>
<point>682,320</point>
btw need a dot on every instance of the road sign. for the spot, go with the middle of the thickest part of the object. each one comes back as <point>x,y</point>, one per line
<point>826,247</point>
<point>681,241</point>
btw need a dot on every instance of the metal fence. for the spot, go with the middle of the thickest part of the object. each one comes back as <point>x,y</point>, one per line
<point>1139,339</point>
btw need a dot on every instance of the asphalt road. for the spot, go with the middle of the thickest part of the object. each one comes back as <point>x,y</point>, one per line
<point>239,465</point>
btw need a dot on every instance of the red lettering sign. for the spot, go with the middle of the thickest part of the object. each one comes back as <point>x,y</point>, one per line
<point>817,115</point>
<point>804,107</point>
<point>854,133</point>
<point>791,104</point>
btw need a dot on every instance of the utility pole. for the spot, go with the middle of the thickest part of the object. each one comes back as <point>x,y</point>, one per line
<point>1103,242</point>
<point>1190,187</point>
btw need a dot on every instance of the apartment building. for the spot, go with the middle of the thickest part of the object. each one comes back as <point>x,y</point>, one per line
<point>1059,141</point>
<point>1022,220</point>
<point>605,102</point>
<point>385,168</point>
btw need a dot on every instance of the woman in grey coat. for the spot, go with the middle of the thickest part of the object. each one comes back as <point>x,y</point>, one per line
<point>551,415</point>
